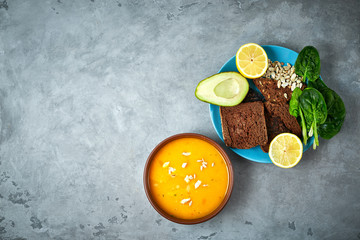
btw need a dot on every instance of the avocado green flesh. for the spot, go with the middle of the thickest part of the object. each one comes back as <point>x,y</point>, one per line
<point>228,88</point>
<point>223,89</point>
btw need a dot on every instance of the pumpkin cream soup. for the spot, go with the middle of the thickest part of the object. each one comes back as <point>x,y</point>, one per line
<point>188,178</point>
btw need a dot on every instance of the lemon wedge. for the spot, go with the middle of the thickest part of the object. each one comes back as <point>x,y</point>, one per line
<point>286,150</point>
<point>251,60</point>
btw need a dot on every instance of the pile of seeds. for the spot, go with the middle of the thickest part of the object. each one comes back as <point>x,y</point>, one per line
<point>284,75</point>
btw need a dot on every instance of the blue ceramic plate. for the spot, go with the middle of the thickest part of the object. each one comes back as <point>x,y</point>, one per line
<point>275,53</point>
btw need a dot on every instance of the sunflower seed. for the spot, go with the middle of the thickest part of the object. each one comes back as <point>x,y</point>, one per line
<point>197,184</point>
<point>272,74</point>
<point>185,200</point>
<point>171,170</point>
<point>293,86</point>
<point>187,179</point>
<point>293,76</point>
<point>284,84</point>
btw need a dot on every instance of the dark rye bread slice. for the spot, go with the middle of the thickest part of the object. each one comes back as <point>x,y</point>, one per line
<point>252,96</point>
<point>274,127</point>
<point>279,120</point>
<point>244,125</point>
<point>271,92</point>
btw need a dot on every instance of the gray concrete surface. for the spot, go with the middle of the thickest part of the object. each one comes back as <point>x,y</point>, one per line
<point>88,88</point>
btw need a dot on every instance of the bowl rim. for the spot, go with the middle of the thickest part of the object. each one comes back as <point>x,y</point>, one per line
<point>147,185</point>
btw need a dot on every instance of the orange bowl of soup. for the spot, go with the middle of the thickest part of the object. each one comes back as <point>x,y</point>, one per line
<point>188,178</point>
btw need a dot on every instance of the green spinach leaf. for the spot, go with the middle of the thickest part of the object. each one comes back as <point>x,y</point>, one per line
<point>318,85</point>
<point>313,107</point>
<point>307,64</point>
<point>296,111</point>
<point>335,108</point>
<point>294,102</point>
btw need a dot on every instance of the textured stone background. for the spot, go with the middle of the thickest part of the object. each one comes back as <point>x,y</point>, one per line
<point>89,87</point>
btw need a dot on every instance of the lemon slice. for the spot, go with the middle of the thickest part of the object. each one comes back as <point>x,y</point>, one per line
<point>286,150</point>
<point>251,60</point>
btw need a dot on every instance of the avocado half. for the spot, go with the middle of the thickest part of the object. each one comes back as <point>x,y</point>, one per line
<point>223,89</point>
